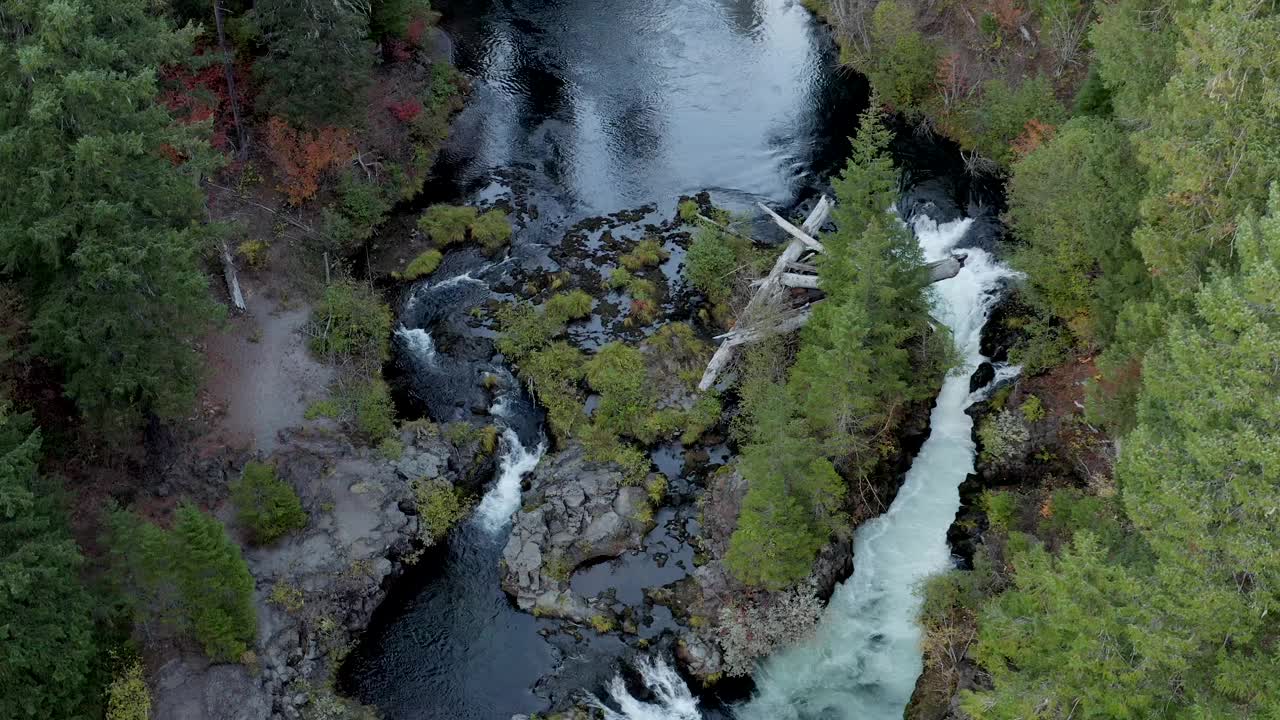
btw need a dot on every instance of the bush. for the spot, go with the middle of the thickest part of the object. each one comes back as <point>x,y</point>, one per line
<point>440,506</point>
<point>1032,409</point>
<point>322,409</point>
<point>492,230</point>
<point>524,329</point>
<point>553,374</point>
<point>362,206</point>
<point>688,211</point>
<point>749,630</point>
<point>254,252</point>
<point>213,583</point>
<point>447,224</point>
<point>304,158</point>
<point>1002,437</point>
<point>646,253</point>
<point>573,305</point>
<point>709,265</point>
<point>1002,113</point>
<point>425,264</point>
<point>128,697</point>
<point>902,62</point>
<point>351,324</point>
<point>266,505</point>
<point>999,508</point>
<point>374,410</point>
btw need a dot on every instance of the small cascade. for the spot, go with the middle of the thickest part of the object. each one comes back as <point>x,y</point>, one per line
<point>503,499</point>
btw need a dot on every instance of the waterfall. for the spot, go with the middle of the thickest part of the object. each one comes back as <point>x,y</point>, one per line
<point>503,498</point>
<point>863,662</point>
<point>419,343</point>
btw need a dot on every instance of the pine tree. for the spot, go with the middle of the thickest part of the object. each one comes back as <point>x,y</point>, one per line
<point>47,641</point>
<point>100,198</point>
<point>319,62</point>
<point>214,584</point>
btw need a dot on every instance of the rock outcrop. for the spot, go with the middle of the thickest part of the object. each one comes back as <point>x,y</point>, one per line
<point>317,588</point>
<point>711,588</point>
<point>576,512</point>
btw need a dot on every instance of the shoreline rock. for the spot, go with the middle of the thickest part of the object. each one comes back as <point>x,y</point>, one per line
<point>317,589</point>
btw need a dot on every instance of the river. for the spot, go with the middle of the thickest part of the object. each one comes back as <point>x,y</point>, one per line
<point>583,109</point>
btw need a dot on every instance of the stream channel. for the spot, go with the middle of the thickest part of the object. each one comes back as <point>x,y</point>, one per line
<point>588,121</point>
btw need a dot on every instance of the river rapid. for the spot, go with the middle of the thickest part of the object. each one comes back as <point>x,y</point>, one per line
<point>590,109</point>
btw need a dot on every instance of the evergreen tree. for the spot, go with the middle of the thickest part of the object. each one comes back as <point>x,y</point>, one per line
<point>47,639</point>
<point>214,584</point>
<point>1074,203</point>
<point>319,60</point>
<point>100,198</point>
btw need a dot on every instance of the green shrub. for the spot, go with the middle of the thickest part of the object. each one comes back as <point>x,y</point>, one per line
<point>999,508</point>
<point>602,624</point>
<point>553,374</point>
<point>447,224</point>
<point>128,697</point>
<point>524,329</point>
<point>425,264</point>
<point>492,230</point>
<point>286,596</point>
<point>213,584</point>
<point>617,371</point>
<point>326,408</point>
<point>647,253</point>
<point>1032,409</point>
<point>902,62</point>
<point>351,324</point>
<point>374,410</point>
<point>1002,437</point>
<point>710,264</point>
<point>362,206</point>
<point>573,305</point>
<point>440,506</point>
<point>1044,346</point>
<point>391,449</point>
<point>1002,114</point>
<point>688,211</point>
<point>266,505</point>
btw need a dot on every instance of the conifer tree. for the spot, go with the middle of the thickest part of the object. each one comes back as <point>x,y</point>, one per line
<point>46,623</point>
<point>101,195</point>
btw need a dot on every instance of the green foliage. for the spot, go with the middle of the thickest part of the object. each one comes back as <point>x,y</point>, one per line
<point>573,305</point>
<point>322,409</point>
<point>553,375</point>
<point>440,506</point>
<point>351,325</point>
<point>447,224</point>
<point>710,263</point>
<point>287,597</point>
<point>492,230</point>
<point>1136,44</point>
<point>192,577</point>
<point>1209,143</point>
<point>1032,409</point>
<point>1093,99</point>
<point>525,328</point>
<point>391,18</point>
<point>1044,344</point>
<point>266,506</point>
<point>1003,113</point>
<point>688,211</point>
<point>391,449</point>
<point>902,62</point>
<point>999,508</point>
<point>48,633</point>
<point>98,224</point>
<point>647,253</point>
<point>128,697</point>
<point>375,413</point>
<point>425,264</point>
<point>1073,201</point>
<point>617,372</point>
<point>319,62</point>
<point>602,624</point>
<point>361,207</point>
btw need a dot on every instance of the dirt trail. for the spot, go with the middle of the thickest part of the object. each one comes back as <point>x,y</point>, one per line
<point>260,372</point>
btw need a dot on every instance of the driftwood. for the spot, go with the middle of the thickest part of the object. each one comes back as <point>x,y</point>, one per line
<point>233,280</point>
<point>758,320</point>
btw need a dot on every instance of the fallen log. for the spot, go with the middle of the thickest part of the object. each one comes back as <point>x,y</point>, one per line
<point>233,280</point>
<point>794,231</point>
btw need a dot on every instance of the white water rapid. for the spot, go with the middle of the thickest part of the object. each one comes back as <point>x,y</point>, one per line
<point>864,659</point>
<point>503,498</point>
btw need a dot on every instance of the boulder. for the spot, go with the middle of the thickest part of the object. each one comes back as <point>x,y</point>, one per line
<point>576,512</point>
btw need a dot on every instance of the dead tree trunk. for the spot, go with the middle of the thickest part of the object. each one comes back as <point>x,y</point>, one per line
<point>758,320</point>
<point>242,140</point>
<point>233,280</point>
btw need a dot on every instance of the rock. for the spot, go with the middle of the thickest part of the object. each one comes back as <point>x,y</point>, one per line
<point>981,377</point>
<point>339,563</point>
<point>577,511</point>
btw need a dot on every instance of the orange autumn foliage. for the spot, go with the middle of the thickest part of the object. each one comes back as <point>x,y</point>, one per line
<point>1034,134</point>
<point>303,158</point>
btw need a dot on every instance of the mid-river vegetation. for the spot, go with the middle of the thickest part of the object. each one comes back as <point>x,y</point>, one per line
<point>149,149</point>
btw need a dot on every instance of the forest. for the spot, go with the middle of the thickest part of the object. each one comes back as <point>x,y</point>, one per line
<point>146,144</point>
